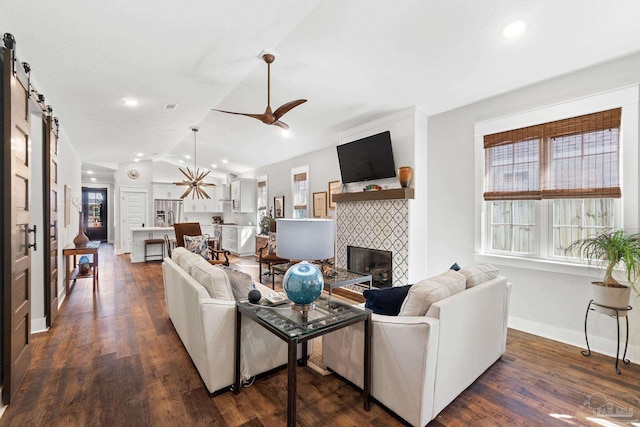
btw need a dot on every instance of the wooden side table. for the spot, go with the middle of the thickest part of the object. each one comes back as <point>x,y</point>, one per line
<point>73,273</point>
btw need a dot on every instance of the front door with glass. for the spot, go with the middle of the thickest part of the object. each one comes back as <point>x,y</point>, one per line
<point>94,213</point>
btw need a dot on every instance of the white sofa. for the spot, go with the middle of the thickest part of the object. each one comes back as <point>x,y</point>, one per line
<point>420,364</point>
<point>206,325</point>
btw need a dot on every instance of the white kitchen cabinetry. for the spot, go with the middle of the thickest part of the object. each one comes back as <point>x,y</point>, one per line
<point>203,205</point>
<point>239,240</point>
<point>220,194</point>
<point>243,195</point>
<point>167,191</point>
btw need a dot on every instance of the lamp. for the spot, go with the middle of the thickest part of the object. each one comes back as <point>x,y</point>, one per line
<point>305,239</point>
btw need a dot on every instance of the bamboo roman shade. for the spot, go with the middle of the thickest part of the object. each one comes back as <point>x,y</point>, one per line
<point>570,158</point>
<point>300,177</point>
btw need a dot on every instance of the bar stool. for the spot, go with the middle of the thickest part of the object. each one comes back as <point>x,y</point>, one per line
<point>153,242</point>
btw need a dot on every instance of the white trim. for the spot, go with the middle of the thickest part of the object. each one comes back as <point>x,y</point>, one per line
<point>39,325</point>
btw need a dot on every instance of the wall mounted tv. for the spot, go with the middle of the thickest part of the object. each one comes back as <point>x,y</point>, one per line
<point>367,159</point>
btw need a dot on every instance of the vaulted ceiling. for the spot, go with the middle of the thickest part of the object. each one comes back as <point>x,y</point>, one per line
<point>353,60</point>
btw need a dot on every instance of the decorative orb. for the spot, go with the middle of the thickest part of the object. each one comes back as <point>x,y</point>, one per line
<point>84,265</point>
<point>303,283</point>
<point>254,296</point>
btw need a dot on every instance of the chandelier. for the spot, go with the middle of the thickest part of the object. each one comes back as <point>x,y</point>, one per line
<point>195,178</point>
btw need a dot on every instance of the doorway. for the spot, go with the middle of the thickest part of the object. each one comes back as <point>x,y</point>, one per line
<point>94,216</point>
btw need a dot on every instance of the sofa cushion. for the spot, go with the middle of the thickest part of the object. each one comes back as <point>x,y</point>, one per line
<point>184,258</point>
<point>198,245</point>
<point>387,301</point>
<point>479,273</point>
<point>426,292</point>
<point>214,279</point>
<point>241,283</point>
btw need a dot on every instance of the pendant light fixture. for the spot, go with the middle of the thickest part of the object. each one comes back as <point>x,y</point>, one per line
<point>195,179</point>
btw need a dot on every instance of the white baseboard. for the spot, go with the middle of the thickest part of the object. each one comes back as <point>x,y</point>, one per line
<point>39,325</point>
<point>597,344</point>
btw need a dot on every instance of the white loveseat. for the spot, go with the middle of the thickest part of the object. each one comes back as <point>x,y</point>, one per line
<point>206,324</point>
<point>421,363</point>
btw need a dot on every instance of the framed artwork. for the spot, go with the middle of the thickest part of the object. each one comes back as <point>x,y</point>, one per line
<point>334,188</point>
<point>278,207</point>
<point>320,204</point>
<point>68,195</point>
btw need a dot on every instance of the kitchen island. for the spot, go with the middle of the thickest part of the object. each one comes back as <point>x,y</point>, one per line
<point>140,234</point>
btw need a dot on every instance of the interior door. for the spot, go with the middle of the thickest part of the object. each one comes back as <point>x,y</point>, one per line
<point>94,208</point>
<point>133,212</point>
<point>50,176</point>
<point>17,214</point>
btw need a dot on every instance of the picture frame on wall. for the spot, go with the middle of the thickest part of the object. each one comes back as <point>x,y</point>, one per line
<point>278,207</point>
<point>320,204</point>
<point>334,188</point>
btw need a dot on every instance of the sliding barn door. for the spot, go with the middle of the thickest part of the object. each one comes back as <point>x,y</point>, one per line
<point>17,234</point>
<point>50,162</point>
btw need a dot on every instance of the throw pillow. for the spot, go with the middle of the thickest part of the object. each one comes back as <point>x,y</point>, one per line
<point>479,273</point>
<point>387,301</point>
<point>198,245</point>
<point>426,292</point>
<point>213,279</point>
<point>272,248</point>
<point>455,267</point>
<point>241,283</point>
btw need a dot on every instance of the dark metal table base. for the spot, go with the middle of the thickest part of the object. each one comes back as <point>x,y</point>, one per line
<point>626,341</point>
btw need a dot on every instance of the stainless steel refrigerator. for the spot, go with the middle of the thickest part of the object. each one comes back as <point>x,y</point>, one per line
<point>167,212</point>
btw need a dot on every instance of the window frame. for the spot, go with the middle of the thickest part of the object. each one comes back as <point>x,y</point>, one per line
<point>627,207</point>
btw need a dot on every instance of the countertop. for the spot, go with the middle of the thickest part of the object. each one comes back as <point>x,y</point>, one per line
<point>151,228</point>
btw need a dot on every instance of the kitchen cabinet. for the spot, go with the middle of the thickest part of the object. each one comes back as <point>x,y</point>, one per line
<point>243,195</point>
<point>239,240</point>
<point>201,205</point>
<point>167,191</point>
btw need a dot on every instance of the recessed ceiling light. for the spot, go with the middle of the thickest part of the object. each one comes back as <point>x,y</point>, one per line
<point>130,102</point>
<point>180,161</point>
<point>514,29</point>
<point>140,154</point>
<point>225,161</point>
<point>186,156</point>
<point>136,160</point>
<point>286,133</point>
<point>90,172</point>
<point>93,179</point>
<point>214,166</point>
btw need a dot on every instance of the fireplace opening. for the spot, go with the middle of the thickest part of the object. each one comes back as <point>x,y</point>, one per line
<point>375,262</point>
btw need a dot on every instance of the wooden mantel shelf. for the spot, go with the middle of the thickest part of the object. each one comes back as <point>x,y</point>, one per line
<point>363,196</point>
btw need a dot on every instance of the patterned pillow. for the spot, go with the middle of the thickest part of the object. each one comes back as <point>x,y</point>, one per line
<point>272,243</point>
<point>197,245</point>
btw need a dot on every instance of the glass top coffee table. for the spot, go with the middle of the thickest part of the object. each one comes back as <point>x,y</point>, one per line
<point>341,277</point>
<point>294,327</point>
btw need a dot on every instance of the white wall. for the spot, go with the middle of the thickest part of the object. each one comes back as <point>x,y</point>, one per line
<point>543,301</point>
<point>69,173</point>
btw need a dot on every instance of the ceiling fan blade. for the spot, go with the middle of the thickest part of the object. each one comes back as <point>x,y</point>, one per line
<point>255,116</point>
<point>280,124</point>
<point>284,108</point>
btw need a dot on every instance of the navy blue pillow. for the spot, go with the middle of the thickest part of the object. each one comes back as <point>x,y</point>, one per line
<point>455,267</point>
<point>387,301</point>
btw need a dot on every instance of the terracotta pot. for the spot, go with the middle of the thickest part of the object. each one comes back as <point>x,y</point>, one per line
<point>405,176</point>
<point>81,239</point>
<point>610,296</point>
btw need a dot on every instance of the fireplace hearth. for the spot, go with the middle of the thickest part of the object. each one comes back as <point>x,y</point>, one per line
<point>375,262</point>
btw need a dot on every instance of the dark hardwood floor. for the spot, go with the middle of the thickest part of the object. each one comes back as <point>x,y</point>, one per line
<point>114,359</point>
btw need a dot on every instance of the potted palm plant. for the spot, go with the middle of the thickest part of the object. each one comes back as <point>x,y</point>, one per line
<point>611,249</point>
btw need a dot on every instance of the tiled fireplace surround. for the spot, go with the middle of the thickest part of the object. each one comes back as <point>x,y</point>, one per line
<point>375,224</point>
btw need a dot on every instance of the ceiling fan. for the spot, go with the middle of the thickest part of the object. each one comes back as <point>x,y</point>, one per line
<point>269,116</point>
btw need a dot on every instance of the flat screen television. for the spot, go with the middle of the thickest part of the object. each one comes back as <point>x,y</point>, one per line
<point>367,159</point>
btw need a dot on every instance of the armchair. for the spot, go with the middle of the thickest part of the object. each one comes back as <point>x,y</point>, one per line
<point>267,255</point>
<point>193,229</point>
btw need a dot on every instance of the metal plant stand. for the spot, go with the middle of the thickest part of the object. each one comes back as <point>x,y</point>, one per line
<point>626,341</point>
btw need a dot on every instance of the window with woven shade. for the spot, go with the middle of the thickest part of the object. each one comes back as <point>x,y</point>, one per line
<point>569,168</point>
